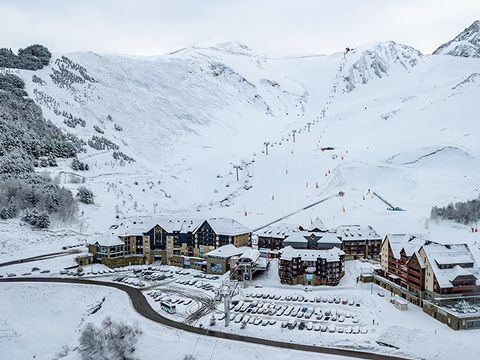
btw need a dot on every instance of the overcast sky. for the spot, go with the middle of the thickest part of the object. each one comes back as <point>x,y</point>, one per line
<point>273,27</point>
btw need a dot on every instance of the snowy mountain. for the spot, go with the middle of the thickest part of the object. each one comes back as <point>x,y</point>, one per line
<point>163,133</point>
<point>377,61</point>
<point>466,44</point>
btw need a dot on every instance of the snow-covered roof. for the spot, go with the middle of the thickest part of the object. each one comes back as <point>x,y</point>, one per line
<point>279,231</point>
<point>227,251</point>
<point>452,256</point>
<point>410,243</point>
<point>107,240</point>
<point>296,237</point>
<point>357,233</point>
<point>250,254</point>
<point>329,238</point>
<point>331,255</point>
<point>317,224</point>
<point>170,225</point>
<point>85,255</point>
<point>230,227</point>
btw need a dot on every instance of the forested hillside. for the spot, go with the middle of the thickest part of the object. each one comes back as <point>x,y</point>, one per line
<point>28,141</point>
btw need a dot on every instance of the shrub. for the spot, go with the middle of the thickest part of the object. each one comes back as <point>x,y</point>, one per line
<point>102,143</point>
<point>79,165</point>
<point>85,195</point>
<point>118,155</point>
<point>8,212</point>
<point>39,219</point>
<point>111,341</point>
<point>98,129</point>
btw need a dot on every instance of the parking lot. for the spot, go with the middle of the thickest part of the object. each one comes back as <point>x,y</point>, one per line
<point>296,312</point>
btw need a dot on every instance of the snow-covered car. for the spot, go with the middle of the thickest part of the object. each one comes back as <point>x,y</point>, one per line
<point>331,328</point>
<point>348,330</point>
<point>309,325</point>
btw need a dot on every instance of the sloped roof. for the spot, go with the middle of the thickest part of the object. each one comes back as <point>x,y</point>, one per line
<point>251,254</point>
<point>317,224</point>
<point>329,238</point>
<point>278,231</point>
<point>357,233</point>
<point>230,227</point>
<point>170,225</point>
<point>297,237</point>
<point>410,243</point>
<point>331,255</point>
<point>107,240</point>
<point>227,251</point>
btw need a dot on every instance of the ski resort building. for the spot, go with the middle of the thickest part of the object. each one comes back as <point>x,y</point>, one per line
<point>443,279</point>
<point>217,232</point>
<point>359,242</point>
<point>114,251</point>
<point>311,267</point>
<point>243,262</point>
<point>270,240</point>
<point>177,242</point>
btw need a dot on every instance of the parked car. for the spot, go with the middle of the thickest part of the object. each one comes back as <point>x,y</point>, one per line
<point>309,325</point>
<point>331,328</point>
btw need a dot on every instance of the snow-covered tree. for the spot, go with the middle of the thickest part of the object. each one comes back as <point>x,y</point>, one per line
<point>85,195</point>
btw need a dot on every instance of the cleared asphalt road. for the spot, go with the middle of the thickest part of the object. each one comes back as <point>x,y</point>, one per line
<point>142,307</point>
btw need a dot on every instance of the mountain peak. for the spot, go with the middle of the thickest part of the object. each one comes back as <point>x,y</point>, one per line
<point>465,44</point>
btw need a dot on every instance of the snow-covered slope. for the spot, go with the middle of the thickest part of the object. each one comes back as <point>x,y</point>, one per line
<point>466,44</point>
<point>400,123</point>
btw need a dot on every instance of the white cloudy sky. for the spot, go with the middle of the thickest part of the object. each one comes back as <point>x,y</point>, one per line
<point>275,27</point>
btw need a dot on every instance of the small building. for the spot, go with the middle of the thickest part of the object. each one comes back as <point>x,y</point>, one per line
<point>84,259</point>
<point>219,260</point>
<point>311,267</point>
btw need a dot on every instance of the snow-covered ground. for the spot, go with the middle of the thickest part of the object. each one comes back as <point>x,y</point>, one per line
<point>69,305</point>
<point>44,322</point>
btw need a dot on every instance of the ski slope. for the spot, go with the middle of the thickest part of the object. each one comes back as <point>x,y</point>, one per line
<point>400,123</point>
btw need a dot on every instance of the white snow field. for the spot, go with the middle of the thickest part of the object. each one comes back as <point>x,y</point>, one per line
<point>45,321</point>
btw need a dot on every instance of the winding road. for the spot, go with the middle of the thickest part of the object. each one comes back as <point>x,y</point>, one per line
<point>141,306</point>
